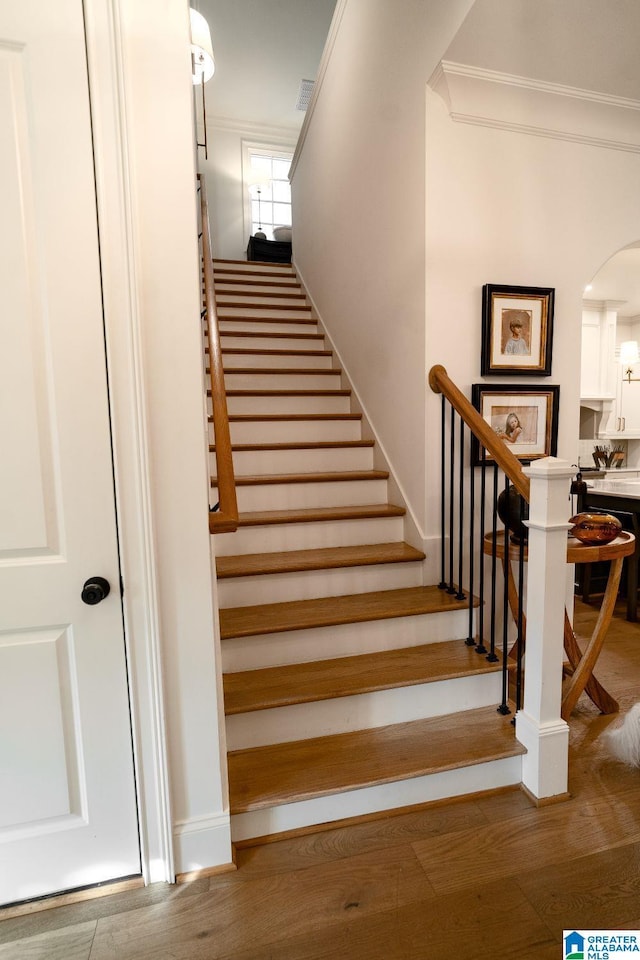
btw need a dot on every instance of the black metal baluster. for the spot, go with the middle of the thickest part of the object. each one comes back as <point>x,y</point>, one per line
<point>452,459</point>
<point>470,642</point>
<point>494,564</point>
<point>492,656</point>
<point>494,561</point>
<point>480,648</point>
<point>443,429</point>
<point>506,566</point>
<point>460,595</point>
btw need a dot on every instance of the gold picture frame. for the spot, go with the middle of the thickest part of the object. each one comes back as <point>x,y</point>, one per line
<point>524,417</point>
<point>517,330</point>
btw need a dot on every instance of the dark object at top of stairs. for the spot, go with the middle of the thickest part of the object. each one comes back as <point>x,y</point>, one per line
<point>269,251</point>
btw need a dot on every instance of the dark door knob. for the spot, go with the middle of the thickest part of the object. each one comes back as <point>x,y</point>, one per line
<point>95,590</point>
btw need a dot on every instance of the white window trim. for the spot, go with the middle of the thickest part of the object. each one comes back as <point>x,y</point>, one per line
<point>286,150</point>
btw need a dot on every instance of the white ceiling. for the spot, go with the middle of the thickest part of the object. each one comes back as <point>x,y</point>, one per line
<point>590,44</point>
<point>263,49</point>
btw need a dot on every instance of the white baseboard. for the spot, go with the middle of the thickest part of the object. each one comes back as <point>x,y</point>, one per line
<point>202,842</point>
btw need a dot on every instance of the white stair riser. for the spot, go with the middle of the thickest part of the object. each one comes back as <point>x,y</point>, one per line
<point>252,267</point>
<point>226,312</point>
<point>276,361</point>
<point>308,584</point>
<point>284,274</point>
<point>299,496</point>
<point>259,326</point>
<point>257,301</point>
<point>225,289</point>
<point>344,640</point>
<point>230,340</point>
<point>276,537</point>
<point>292,431</point>
<point>282,381</point>
<point>324,718</point>
<point>358,803</point>
<point>287,405</point>
<point>250,463</point>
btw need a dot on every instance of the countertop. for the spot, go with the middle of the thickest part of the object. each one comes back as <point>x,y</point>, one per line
<point>616,488</point>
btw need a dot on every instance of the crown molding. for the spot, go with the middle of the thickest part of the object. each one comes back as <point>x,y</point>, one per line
<point>536,107</point>
<point>253,129</point>
<point>598,306</point>
<point>317,87</point>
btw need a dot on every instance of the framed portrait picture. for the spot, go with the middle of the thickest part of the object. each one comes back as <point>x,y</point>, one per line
<point>525,418</point>
<point>517,329</point>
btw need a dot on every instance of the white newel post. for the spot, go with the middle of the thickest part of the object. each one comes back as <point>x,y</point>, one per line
<point>539,726</point>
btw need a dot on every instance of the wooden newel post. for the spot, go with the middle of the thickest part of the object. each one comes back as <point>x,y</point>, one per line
<point>539,726</point>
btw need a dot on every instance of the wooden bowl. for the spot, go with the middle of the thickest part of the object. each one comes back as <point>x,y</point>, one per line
<point>595,528</point>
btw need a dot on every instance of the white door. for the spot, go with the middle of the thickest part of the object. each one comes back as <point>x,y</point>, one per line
<point>67,798</point>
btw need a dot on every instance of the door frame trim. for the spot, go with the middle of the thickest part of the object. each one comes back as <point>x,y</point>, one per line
<point>129,420</point>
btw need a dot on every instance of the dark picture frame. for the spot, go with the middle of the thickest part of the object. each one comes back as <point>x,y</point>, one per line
<point>534,431</point>
<point>517,330</point>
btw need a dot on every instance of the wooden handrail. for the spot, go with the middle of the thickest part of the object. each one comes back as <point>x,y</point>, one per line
<point>225,519</point>
<point>440,383</point>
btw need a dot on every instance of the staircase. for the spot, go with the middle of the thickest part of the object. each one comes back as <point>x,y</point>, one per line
<point>348,687</point>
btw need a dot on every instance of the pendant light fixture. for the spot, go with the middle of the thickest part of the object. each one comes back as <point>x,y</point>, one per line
<point>202,62</point>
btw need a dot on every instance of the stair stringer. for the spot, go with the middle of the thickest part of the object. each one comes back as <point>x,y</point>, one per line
<point>413,532</point>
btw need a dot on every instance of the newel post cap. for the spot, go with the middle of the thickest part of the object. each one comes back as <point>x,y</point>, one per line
<point>550,468</point>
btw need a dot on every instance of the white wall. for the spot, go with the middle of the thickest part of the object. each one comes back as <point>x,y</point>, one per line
<point>164,424</point>
<point>358,212</point>
<point>505,207</point>
<point>396,266</point>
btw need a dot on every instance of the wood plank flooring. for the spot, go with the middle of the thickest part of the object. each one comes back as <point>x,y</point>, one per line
<point>482,876</point>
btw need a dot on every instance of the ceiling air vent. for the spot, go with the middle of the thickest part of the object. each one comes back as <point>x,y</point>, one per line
<point>304,94</point>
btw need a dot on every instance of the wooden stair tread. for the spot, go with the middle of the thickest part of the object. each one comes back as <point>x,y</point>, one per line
<point>262,777</point>
<point>222,304</point>
<point>325,558</point>
<point>301,445</point>
<point>299,320</point>
<point>283,686</point>
<point>297,295</point>
<point>286,393</point>
<point>286,417</point>
<point>337,476</point>
<point>242,279</point>
<point>369,511</point>
<point>271,335</point>
<point>333,611</point>
<point>289,371</point>
<point>266,352</point>
<point>257,263</point>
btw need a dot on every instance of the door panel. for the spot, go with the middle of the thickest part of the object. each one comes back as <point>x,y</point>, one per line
<point>67,796</point>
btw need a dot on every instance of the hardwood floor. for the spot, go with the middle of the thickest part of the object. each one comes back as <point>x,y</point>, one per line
<point>484,876</point>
